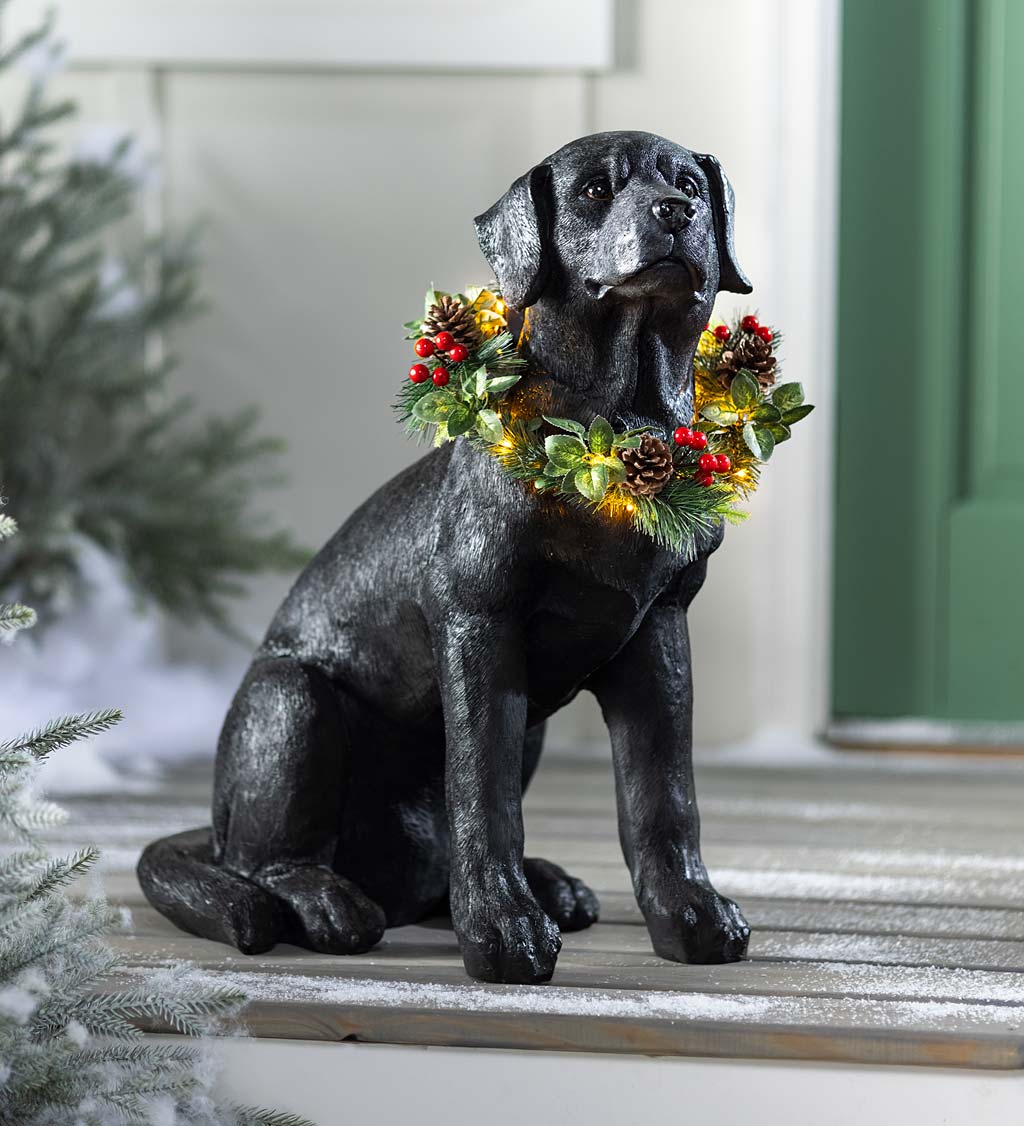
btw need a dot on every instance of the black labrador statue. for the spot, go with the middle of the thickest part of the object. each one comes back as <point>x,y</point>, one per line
<point>372,765</point>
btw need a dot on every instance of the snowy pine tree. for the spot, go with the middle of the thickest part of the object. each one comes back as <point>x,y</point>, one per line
<point>71,1053</point>
<point>94,440</point>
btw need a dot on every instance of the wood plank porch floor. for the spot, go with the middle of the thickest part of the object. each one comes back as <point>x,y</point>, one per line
<point>885,896</point>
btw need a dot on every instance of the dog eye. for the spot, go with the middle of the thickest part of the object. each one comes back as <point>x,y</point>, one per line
<point>688,187</point>
<point>598,189</point>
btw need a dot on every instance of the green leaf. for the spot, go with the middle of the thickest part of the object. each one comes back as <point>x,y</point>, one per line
<point>502,383</point>
<point>489,427</point>
<point>569,424</point>
<point>592,481</point>
<point>779,432</point>
<point>480,380</point>
<point>720,417</point>
<point>760,441</point>
<point>552,470</point>
<point>430,299</point>
<point>766,412</point>
<point>564,450</point>
<point>600,437</point>
<point>616,471</point>
<point>787,396</point>
<point>797,413</point>
<point>460,419</point>
<point>435,407</point>
<point>627,442</point>
<point>744,390</point>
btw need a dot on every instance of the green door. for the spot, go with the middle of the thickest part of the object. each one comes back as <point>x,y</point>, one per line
<point>929,571</point>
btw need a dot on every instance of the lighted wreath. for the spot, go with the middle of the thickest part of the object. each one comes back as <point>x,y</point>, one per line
<point>672,487</point>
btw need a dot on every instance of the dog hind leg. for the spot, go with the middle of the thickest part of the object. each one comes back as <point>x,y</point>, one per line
<point>279,795</point>
<point>181,880</point>
<point>564,898</point>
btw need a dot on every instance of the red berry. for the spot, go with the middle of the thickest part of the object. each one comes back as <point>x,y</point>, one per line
<point>722,463</point>
<point>444,341</point>
<point>708,462</point>
<point>699,441</point>
<point>458,353</point>
<point>419,373</point>
<point>722,332</point>
<point>423,347</point>
<point>765,333</point>
<point>749,324</point>
<point>440,376</point>
<point>682,436</point>
<point>705,479</point>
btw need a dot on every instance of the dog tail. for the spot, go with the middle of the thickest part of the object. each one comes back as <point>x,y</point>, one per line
<point>181,880</point>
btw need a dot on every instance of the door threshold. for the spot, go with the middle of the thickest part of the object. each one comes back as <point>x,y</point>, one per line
<point>910,733</point>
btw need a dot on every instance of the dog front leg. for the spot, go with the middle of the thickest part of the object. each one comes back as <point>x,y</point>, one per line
<point>646,695</point>
<point>503,933</point>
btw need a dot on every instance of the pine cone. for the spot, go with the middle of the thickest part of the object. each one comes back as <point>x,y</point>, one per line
<point>450,315</point>
<point>649,468</point>
<point>751,354</point>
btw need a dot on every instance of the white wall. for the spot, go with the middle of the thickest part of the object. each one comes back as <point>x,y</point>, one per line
<point>333,193</point>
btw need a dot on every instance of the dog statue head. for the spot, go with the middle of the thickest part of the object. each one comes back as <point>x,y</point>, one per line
<point>620,216</point>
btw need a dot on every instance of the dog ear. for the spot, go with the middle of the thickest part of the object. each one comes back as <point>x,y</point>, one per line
<point>513,234</point>
<point>731,276</point>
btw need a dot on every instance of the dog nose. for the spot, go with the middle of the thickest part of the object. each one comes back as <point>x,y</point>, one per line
<point>674,212</point>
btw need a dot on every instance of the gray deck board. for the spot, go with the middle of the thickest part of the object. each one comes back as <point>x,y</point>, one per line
<point>886,898</point>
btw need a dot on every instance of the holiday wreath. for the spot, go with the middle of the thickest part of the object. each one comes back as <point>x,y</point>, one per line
<point>671,488</point>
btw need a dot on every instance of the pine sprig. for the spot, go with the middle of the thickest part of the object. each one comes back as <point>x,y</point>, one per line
<point>253,1116</point>
<point>14,617</point>
<point>59,733</point>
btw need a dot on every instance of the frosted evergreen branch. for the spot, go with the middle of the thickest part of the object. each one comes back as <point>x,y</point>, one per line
<point>63,732</point>
<point>189,1011</point>
<point>69,926</point>
<point>19,869</point>
<point>15,617</point>
<point>253,1116</point>
<point>62,871</point>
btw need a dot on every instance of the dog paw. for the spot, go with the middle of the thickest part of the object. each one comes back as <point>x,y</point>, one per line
<point>703,928</point>
<point>324,912</point>
<point>567,900</point>
<point>503,934</point>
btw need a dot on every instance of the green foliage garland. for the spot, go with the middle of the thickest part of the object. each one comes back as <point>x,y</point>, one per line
<point>741,415</point>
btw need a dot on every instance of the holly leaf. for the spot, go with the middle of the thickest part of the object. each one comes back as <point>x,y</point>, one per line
<point>797,413</point>
<point>779,432</point>
<point>744,390</point>
<point>435,407</point>
<point>553,470</point>
<point>627,442</point>
<point>502,383</point>
<point>428,300</point>
<point>719,415</point>
<point>788,396</point>
<point>592,481</point>
<point>479,378</point>
<point>564,450</point>
<point>489,427</point>
<point>460,419</point>
<point>600,436</point>
<point>759,440</point>
<point>766,412</point>
<point>568,424</point>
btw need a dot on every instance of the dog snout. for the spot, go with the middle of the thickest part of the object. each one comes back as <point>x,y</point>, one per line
<point>674,212</point>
